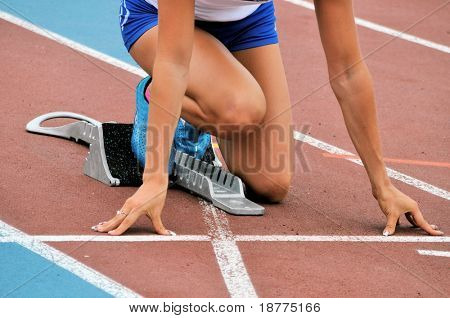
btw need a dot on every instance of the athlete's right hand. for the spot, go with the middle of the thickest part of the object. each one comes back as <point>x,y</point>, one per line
<point>394,203</point>
<point>148,200</point>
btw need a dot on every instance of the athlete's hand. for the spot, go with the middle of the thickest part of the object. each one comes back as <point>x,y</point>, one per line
<point>394,203</point>
<point>148,200</point>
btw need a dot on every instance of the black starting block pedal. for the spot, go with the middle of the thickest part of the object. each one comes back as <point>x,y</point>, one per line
<point>111,161</point>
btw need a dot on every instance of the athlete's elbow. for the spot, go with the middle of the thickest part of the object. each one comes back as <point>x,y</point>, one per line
<point>350,80</point>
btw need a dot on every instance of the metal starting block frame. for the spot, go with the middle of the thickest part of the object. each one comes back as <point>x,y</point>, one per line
<point>223,189</point>
<point>86,129</point>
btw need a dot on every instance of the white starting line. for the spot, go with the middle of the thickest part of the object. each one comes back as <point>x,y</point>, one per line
<point>229,236</point>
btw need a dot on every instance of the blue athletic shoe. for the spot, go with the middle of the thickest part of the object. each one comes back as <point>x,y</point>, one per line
<point>187,138</point>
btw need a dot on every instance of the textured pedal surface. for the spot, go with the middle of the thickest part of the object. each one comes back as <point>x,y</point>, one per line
<point>222,188</point>
<point>122,163</point>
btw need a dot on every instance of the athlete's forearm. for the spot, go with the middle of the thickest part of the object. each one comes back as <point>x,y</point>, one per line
<point>170,71</point>
<point>167,93</point>
<point>354,91</point>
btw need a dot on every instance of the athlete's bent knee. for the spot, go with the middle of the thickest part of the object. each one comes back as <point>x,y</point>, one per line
<point>242,109</point>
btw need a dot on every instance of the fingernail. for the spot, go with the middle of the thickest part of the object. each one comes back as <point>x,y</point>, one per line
<point>94,228</point>
<point>386,233</point>
<point>171,233</point>
<point>101,223</point>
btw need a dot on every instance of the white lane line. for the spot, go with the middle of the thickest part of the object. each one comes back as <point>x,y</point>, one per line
<point>342,238</point>
<point>65,261</point>
<point>227,253</point>
<point>383,29</point>
<point>124,238</point>
<point>135,70</point>
<point>237,238</point>
<point>434,253</point>
<point>72,44</point>
<point>391,172</point>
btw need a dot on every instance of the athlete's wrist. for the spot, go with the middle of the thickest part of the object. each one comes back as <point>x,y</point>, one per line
<point>381,187</point>
<point>159,179</point>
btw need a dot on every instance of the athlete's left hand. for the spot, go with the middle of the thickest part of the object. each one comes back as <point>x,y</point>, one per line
<point>394,203</point>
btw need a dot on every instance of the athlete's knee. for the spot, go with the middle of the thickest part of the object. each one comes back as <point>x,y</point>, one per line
<point>242,109</point>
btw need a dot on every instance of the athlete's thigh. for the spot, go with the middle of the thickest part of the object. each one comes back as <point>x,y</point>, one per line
<point>214,74</point>
<point>266,66</point>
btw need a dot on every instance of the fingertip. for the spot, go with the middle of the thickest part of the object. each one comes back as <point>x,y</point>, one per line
<point>388,232</point>
<point>99,227</point>
<point>434,232</point>
<point>163,231</point>
<point>160,228</point>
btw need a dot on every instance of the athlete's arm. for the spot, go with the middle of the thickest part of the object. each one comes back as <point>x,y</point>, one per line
<point>170,71</point>
<point>352,84</point>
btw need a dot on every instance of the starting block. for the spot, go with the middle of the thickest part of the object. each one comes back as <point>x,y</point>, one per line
<point>111,161</point>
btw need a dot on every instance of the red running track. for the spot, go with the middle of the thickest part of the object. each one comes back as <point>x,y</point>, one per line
<point>52,197</point>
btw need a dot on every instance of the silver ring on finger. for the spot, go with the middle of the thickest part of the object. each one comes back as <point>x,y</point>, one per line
<point>120,212</point>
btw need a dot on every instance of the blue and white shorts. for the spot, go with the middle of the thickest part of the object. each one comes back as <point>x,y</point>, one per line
<point>258,29</point>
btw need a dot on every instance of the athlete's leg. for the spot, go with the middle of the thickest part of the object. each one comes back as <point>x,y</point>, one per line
<point>220,90</point>
<point>271,150</point>
<point>223,93</point>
